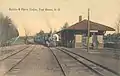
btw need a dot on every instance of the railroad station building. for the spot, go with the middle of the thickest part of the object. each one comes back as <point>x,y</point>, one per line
<point>75,36</point>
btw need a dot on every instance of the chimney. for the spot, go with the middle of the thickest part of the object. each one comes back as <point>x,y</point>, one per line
<point>80,18</point>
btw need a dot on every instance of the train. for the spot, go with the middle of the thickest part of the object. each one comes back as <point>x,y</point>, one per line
<point>46,39</point>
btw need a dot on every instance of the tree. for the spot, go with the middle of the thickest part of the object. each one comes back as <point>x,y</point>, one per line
<point>41,32</point>
<point>7,29</point>
<point>11,28</point>
<point>118,25</point>
<point>66,25</point>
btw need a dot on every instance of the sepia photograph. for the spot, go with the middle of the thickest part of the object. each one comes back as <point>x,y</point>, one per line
<point>59,37</point>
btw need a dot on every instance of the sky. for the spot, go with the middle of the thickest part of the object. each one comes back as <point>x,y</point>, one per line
<point>101,11</point>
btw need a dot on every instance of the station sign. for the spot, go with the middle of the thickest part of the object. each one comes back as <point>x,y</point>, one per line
<point>93,30</point>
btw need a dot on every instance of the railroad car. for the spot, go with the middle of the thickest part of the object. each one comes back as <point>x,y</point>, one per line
<point>39,39</point>
<point>46,39</point>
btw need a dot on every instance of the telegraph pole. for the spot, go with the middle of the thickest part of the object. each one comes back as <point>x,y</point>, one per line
<point>88,33</point>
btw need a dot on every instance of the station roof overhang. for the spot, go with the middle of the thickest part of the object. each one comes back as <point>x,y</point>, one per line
<point>82,26</point>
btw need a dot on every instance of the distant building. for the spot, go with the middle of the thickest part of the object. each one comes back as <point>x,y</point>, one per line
<point>76,35</point>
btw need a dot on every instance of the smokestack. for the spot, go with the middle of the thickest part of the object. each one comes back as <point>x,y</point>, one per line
<point>80,18</point>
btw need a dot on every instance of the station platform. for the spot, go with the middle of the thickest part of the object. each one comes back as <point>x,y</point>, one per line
<point>108,57</point>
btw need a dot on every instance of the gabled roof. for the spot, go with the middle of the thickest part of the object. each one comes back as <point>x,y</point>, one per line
<point>82,25</point>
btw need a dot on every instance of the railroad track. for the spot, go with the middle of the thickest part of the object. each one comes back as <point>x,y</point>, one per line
<point>9,70</point>
<point>95,66</point>
<point>98,69</point>
<point>58,62</point>
<point>14,53</point>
